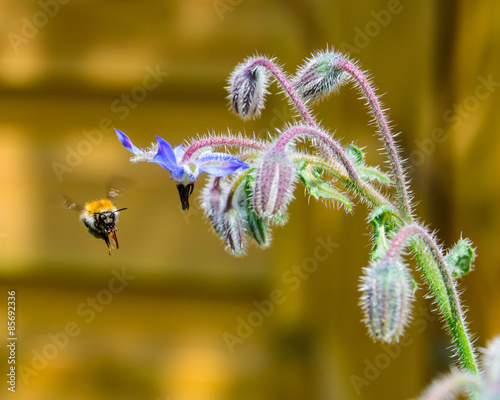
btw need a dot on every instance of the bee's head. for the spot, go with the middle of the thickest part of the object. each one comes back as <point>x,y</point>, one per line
<point>107,219</point>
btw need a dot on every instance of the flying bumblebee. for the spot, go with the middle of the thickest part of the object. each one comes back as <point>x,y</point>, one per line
<point>99,217</point>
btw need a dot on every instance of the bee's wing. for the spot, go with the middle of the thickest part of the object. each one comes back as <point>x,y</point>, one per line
<point>72,205</point>
<point>114,192</point>
<point>117,186</point>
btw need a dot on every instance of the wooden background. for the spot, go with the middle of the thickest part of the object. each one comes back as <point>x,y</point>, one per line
<point>66,69</point>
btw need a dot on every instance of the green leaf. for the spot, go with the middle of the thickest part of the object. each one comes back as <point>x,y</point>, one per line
<point>382,222</point>
<point>317,188</point>
<point>460,258</point>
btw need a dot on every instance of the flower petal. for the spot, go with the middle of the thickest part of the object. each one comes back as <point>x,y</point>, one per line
<point>179,152</point>
<point>165,156</point>
<point>220,164</point>
<point>124,139</point>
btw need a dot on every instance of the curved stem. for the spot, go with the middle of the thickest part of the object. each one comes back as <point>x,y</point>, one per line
<point>326,143</point>
<point>221,141</point>
<point>323,137</point>
<point>365,190</point>
<point>438,277</point>
<point>404,201</point>
<point>281,78</point>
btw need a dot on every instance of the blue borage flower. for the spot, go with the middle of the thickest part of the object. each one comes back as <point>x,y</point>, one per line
<point>184,173</point>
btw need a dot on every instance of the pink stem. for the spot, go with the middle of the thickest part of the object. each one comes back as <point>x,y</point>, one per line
<point>323,138</point>
<point>220,141</point>
<point>404,203</point>
<point>278,74</point>
<point>398,243</point>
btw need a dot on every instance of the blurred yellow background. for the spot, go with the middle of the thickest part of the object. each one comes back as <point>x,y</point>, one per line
<point>171,315</point>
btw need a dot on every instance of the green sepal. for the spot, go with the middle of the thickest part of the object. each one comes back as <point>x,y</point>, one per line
<point>382,222</point>
<point>256,226</point>
<point>357,157</point>
<point>460,258</point>
<point>316,187</point>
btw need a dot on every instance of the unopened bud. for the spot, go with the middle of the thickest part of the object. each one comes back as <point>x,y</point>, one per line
<point>256,226</point>
<point>319,76</point>
<point>247,89</point>
<point>217,202</point>
<point>212,198</point>
<point>275,178</point>
<point>232,232</point>
<point>460,258</point>
<point>386,299</point>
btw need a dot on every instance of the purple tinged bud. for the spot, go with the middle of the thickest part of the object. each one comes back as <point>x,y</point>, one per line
<point>247,89</point>
<point>233,232</point>
<point>225,219</point>
<point>212,200</point>
<point>387,293</point>
<point>274,183</point>
<point>320,77</point>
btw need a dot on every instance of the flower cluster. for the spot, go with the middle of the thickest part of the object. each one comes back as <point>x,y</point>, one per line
<point>249,191</point>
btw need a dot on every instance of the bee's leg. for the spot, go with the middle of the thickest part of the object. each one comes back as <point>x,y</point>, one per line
<point>115,238</point>
<point>106,239</point>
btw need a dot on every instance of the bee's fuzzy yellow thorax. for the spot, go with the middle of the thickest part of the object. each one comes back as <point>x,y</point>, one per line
<point>99,206</point>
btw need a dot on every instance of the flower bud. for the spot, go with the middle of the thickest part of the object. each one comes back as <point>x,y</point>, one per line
<point>233,232</point>
<point>460,258</point>
<point>256,226</point>
<point>319,76</point>
<point>275,178</point>
<point>386,298</point>
<point>247,88</point>
<point>217,202</point>
<point>212,196</point>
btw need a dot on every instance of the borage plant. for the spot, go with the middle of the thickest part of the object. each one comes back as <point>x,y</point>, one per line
<point>249,192</point>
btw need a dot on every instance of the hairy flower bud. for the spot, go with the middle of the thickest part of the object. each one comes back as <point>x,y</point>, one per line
<point>217,202</point>
<point>275,178</point>
<point>460,258</point>
<point>386,298</point>
<point>247,88</point>
<point>233,232</point>
<point>320,76</point>
<point>256,226</point>
<point>212,198</point>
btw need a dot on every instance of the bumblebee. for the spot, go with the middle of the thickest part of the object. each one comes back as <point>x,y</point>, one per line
<point>99,217</point>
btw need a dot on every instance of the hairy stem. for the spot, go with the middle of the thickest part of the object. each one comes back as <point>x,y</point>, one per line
<point>438,277</point>
<point>365,190</point>
<point>320,137</point>
<point>282,79</point>
<point>397,170</point>
<point>221,141</point>
<point>330,147</point>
